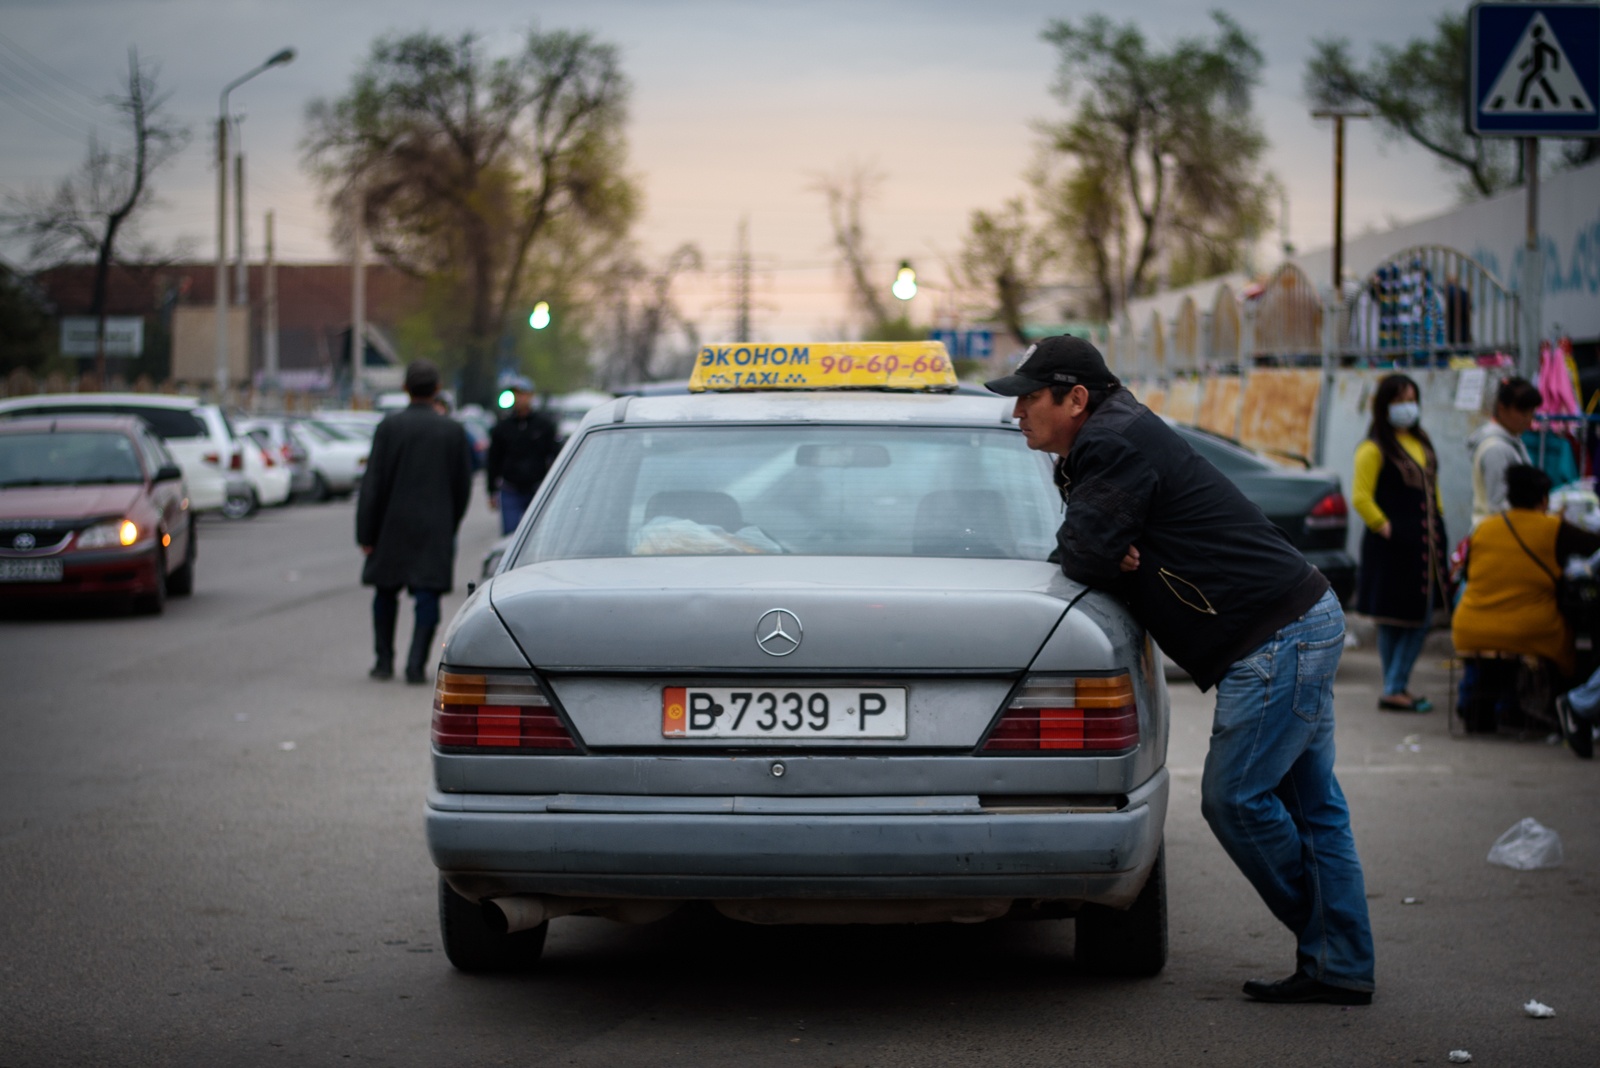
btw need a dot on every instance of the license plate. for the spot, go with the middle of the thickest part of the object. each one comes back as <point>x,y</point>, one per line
<point>754,712</point>
<point>30,570</point>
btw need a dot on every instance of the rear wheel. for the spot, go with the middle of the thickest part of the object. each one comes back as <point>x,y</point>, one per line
<point>319,487</point>
<point>473,946</point>
<point>181,582</point>
<point>241,505</point>
<point>1132,941</point>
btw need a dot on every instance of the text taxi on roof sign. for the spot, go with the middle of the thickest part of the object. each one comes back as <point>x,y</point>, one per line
<point>922,366</point>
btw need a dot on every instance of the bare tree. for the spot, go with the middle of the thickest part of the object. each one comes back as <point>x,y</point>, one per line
<point>641,327</point>
<point>90,211</point>
<point>845,193</point>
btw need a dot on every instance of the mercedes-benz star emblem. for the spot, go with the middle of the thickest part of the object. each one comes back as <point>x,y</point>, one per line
<point>24,542</point>
<point>778,632</point>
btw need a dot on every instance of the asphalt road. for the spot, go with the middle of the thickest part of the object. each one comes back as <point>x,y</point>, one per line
<point>211,853</point>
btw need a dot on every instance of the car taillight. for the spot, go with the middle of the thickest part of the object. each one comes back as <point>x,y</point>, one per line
<point>236,461</point>
<point>1329,512</point>
<point>1049,714</point>
<point>213,458</point>
<point>288,454</point>
<point>497,712</point>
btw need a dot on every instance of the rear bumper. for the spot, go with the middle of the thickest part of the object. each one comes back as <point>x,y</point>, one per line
<point>844,848</point>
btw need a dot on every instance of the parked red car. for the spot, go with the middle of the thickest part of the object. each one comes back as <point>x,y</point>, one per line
<point>92,506</point>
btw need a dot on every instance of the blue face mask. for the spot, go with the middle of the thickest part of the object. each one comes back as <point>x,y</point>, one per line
<point>1403,415</point>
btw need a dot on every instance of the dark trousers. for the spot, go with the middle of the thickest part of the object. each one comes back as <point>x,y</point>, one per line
<point>385,615</point>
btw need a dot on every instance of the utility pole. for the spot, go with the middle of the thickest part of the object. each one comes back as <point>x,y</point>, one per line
<point>358,296</point>
<point>1532,288</point>
<point>220,282</point>
<point>241,261</point>
<point>269,328</point>
<point>741,283</point>
<point>1338,115</point>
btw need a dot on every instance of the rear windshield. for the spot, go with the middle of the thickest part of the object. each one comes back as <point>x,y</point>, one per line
<point>68,458</point>
<point>168,423</point>
<point>809,490</point>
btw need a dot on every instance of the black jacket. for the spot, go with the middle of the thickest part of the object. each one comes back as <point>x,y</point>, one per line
<point>413,495</point>
<point>521,448</point>
<point>1215,579</point>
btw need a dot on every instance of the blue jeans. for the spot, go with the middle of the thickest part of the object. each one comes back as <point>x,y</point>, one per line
<point>512,504</point>
<point>1271,798</point>
<point>1585,699</point>
<point>1398,649</point>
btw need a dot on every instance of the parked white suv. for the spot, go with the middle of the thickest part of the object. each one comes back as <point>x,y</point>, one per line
<point>197,435</point>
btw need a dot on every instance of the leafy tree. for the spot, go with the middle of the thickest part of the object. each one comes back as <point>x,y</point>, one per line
<point>470,170</point>
<point>89,212</point>
<point>1158,159</point>
<point>1418,92</point>
<point>1005,255</point>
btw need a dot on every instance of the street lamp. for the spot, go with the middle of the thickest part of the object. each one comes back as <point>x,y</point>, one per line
<point>905,281</point>
<point>1338,115</point>
<point>277,60</point>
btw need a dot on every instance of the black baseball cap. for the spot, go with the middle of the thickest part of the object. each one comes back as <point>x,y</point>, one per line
<point>1063,360</point>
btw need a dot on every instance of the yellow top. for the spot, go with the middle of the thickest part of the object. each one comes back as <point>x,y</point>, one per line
<point>923,366</point>
<point>1510,602</point>
<point>1369,461</point>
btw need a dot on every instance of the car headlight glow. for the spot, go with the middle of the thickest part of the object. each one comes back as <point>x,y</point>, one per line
<point>109,534</point>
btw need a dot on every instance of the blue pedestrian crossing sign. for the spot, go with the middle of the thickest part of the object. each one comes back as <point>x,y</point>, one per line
<point>1534,70</point>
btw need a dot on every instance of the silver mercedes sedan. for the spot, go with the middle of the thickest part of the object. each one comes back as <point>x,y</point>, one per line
<point>804,655</point>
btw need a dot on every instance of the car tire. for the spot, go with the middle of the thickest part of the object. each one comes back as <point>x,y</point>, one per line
<point>1127,942</point>
<point>181,582</point>
<point>154,602</point>
<point>319,488</point>
<point>241,505</point>
<point>473,946</point>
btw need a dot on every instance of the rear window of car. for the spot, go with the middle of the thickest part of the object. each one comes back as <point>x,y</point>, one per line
<point>68,458</point>
<point>809,490</point>
<point>168,423</point>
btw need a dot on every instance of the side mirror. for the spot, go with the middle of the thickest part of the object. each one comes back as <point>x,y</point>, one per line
<point>168,473</point>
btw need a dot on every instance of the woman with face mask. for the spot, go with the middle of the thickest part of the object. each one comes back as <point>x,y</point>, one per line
<point>1404,554</point>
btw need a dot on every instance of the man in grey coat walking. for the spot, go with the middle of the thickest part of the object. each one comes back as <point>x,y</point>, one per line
<point>415,491</point>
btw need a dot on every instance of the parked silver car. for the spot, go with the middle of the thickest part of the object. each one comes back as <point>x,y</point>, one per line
<point>802,655</point>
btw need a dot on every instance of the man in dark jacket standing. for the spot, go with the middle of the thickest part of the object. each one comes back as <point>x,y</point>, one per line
<point>415,491</point>
<point>1227,597</point>
<point>521,447</point>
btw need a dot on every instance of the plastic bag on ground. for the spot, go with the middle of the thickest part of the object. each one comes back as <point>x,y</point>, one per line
<point>1528,845</point>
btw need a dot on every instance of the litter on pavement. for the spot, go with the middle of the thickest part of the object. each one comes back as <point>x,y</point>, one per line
<point>1529,844</point>
<point>1538,1010</point>
<point>1460,1056</point>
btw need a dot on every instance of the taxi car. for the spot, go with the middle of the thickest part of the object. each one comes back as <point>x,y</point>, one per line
<point>792,644</point>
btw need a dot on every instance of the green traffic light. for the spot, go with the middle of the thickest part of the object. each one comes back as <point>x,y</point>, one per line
<point>507,398</point>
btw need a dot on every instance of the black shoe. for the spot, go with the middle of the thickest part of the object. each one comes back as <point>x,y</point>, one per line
<point>416,677</point>
<point>1300,988</point>
<point>381,670</point>
<point>1575,729</point>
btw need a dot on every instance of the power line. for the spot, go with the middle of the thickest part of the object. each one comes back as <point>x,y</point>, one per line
<point>70,84</point>
<point>43,118</point>
<point>41,93</point>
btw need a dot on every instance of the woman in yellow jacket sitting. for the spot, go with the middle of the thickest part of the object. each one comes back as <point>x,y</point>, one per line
<point>1513,563</point>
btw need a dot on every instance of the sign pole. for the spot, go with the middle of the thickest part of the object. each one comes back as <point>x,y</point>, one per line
<point>1532,285</point>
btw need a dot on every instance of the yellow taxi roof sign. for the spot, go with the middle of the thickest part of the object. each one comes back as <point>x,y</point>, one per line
<point>904,365</point>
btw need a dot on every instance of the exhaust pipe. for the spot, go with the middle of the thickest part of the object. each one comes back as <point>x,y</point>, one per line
<point>523,912</point>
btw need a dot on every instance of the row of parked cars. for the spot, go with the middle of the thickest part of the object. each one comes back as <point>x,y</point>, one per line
<point>99,493</point>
